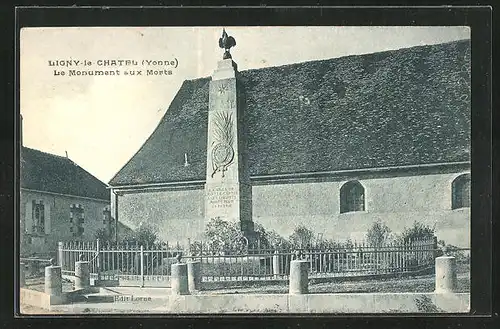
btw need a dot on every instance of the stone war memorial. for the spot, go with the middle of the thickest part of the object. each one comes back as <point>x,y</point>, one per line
<point>331,179</point>
<point>228,191</point>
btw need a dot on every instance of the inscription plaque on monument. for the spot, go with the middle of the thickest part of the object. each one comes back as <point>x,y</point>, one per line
<point>222,196</point>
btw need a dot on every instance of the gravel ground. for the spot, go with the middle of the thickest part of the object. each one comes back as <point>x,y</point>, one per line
<point>419,284</point>
<point>32,310</point>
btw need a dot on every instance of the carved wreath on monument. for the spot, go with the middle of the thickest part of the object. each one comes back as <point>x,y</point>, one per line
<point>222,150</point>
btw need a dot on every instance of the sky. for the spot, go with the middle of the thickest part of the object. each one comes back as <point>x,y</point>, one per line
<point>102,121</point>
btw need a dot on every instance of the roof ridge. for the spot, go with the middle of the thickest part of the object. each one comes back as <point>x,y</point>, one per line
<point>45,171</point>
<point>47,153</point>
<point>344,56</point>
<point>355,55</point>
<point>66,158</point>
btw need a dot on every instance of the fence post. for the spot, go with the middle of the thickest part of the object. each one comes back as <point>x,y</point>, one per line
<point>446,274</point>
<point>405,255</point>
<point>276,264</point>
<point>194,275</point>
<point>179,277</point>
<point>298,283</point>
<point>82,274</point>
<point>60,254</point>
<point>53,280</point>
<point>98,260</point>
<point>142,266</point>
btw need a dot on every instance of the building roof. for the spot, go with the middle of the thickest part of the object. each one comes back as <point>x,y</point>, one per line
<point>52,173</point>
<point>395,108</point>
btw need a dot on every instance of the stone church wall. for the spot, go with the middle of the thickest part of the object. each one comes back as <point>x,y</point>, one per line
<point>396,201</point>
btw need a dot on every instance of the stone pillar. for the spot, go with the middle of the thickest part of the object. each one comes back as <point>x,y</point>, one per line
<point>194,276</point>
<point>228,193</point>
<point>53,280</point>
<point>446,274</point>
<point>179,279</point>
<point>276,264</point>
<point>22,275</point>
<point>299,281</point>
<point>82,274</point>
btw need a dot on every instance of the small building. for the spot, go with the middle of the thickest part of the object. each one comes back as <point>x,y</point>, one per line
<point>59,201</point>
<point>332,144</point>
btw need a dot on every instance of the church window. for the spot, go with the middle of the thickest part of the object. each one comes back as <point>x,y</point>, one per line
<point>38,217</point>
<point>76,219</point>
<point>460,189</point>
<point>352,197</point>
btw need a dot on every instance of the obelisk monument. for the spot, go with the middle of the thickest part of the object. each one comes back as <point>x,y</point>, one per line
<point>228,193</point>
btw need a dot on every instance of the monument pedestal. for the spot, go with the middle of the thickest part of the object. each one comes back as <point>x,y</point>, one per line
<point>228,193</point>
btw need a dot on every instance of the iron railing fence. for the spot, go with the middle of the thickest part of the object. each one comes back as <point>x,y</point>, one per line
<point>125,261</point>
<point>355,259</point>
<point>147,265</point>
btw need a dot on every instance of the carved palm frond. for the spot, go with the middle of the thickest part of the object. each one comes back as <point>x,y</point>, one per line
<point>223,127</point>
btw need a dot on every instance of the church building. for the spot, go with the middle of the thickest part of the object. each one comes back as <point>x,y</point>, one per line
<point>334,145</point>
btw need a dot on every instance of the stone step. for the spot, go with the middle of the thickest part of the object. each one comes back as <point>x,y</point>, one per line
<point>99,298</point>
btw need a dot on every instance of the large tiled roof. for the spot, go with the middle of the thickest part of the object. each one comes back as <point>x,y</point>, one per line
<point>402,107</point>
<point>51,173</point>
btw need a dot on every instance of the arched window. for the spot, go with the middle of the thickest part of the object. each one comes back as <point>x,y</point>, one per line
<point>460,192</point>
<point>352,197</point>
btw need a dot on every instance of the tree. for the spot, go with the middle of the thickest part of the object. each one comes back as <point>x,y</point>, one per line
<point>378,234</point>
<point>103,235</point>
<point>224,237</point>
<point>269,239</point>
<point>416,232</point>
<point>301,237</point>
<point>277,241</point>
<point>146,235</point>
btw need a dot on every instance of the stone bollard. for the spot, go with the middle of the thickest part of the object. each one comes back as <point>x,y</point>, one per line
<point>53,280</point>
<point>82,274</point>
<point>446,274</point>
<point>299,281</point>
<point>194,276</point>
<point>276,265</point>
<point>22,275</point>
<point>179,278</point>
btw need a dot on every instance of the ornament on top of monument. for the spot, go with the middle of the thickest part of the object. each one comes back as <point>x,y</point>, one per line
<point>222,146</point>
<point>226,42</point>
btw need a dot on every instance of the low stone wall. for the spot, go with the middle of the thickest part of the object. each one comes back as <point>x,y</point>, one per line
<point>40,299</point>
<point>321,303</point>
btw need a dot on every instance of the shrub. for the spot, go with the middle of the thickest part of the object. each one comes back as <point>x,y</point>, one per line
<point>378,234</point>
<point>301,237</point>
<point>277,241</point>
<point>269,239</point>
<point>103,235</point>
<point>416,232</point>
<point>145,235</point>
<point>224,237</point>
